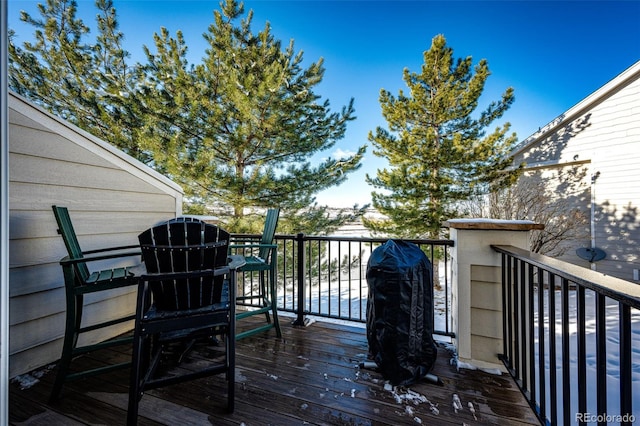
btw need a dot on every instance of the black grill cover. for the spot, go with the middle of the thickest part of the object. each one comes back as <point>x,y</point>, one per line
<point>400,312</point>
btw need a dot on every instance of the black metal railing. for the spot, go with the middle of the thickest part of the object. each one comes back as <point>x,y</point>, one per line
<point>568,339</point>
<point>326,277</point>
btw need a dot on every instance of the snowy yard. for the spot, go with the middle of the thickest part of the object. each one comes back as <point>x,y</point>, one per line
<point>612,359</point>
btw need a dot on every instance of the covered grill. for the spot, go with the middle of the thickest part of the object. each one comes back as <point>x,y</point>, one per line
<point>400,312</point>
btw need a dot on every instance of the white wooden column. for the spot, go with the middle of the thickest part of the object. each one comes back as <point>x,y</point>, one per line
<point>4,221</point>
<point>476,301</point>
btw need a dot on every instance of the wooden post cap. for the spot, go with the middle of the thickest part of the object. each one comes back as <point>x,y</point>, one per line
<point>493,224</point>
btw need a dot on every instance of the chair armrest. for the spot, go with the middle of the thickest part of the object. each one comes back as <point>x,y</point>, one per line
<point>69,261</point>
<point>253,246</point>
<point>244,240</point>
<point>236,262</point>
<point>103,250</point>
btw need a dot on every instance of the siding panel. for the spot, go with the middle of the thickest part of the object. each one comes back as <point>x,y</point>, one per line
<point>45,144</point>
<point>32,279</point>
<point>111,198</point>
<point>28,196</point>
<point>605,130</point>
<point>38,170</point>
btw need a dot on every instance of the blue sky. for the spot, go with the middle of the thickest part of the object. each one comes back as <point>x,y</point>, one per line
<point>553,53</point>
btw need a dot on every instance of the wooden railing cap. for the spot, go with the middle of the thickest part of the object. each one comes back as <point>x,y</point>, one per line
<point>493,224</point>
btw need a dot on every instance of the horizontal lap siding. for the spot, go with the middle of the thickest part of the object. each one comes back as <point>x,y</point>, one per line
<point>111,199</point>
<point>617,188</point>
<point>33,196</point>
<point>609,139</point>
<point>58,175</point>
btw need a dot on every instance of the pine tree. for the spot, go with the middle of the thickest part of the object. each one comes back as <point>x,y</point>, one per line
<point>437,146</point>
<point>239,129</point>
<point>82,80</point>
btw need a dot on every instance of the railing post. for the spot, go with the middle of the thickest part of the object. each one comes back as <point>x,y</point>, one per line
<point>301,272</point>
<point>476,291</point>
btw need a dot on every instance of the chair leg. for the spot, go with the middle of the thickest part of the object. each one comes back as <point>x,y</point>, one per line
<point>274,301</point>
<point>264,294</point>
<point>231,372</point>
<point>134,380</point>
<point>72,325</point>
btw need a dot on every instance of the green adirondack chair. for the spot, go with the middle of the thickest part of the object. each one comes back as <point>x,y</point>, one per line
<point>78,281</point>
<point>260,257</point>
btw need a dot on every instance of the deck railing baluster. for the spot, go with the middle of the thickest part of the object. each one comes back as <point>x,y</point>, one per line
<point>580,386</point>
<point>551,313</point>
<point>601,355</point>
<point>625,361</point>
<point>516,317</point>
<point>531,344</point>
<point>566,354</point>
<point>523,326</point>
<point>506,357</point>
<point>582,352</point>
<point>509,321</point>
<point>542,388</point>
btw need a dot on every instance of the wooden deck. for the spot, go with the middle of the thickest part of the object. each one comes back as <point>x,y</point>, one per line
<point>310,376</point>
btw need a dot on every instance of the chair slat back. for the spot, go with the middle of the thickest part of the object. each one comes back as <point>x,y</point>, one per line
<point>269,232</point>
<point>184,246</point>
<point>65,229</point>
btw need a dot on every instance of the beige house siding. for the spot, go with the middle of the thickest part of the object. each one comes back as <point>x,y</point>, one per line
<point>111,199</point>
<point>601,132</point>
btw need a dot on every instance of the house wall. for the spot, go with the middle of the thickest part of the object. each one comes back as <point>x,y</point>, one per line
<point>603,133</point>
<point>559,196</point>
<point>111,198</point>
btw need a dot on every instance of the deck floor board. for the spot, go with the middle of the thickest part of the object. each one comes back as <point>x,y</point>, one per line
<point>310,376</point>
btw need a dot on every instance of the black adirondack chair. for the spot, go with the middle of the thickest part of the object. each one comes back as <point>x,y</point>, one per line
<point>186,296</point>
<point>261,257</point>
<point>78,281</point>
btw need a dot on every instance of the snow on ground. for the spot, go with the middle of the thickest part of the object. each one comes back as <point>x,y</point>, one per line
<point>612,357</point>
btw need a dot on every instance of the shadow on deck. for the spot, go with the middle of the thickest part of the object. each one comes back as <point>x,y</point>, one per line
<point>310,376</point>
